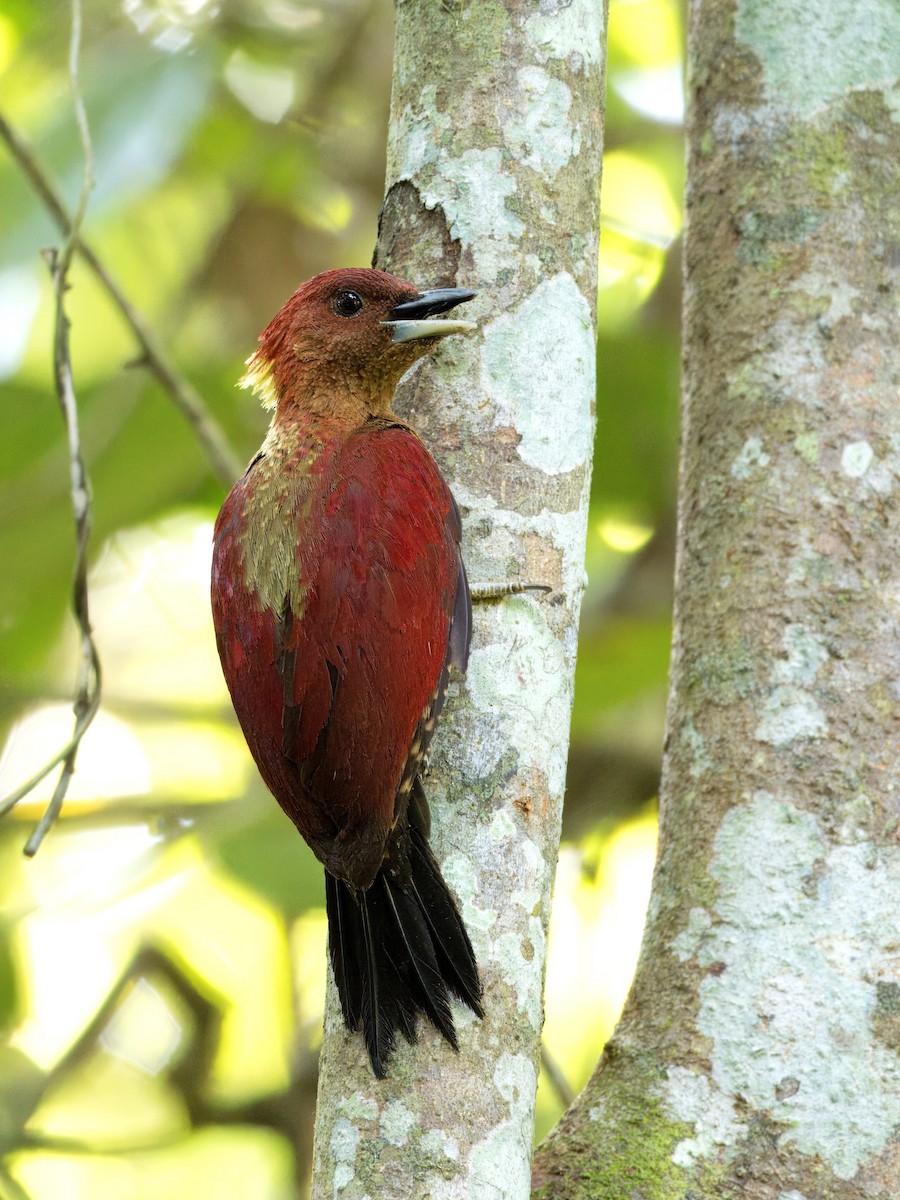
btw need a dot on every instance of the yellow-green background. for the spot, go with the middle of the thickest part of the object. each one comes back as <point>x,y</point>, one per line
<point>240,149</point>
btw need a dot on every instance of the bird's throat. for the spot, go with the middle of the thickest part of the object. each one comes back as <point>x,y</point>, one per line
<point>310,394</point>
<point>278,496</point>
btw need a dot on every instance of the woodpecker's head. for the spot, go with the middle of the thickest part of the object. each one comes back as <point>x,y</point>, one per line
<point>350,333</point>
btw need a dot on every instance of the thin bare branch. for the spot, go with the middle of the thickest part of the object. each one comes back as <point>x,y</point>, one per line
<point>223,459</point>
<point>87,695</point>
<point>555,1075</point>
<point>87,185</point>
<point>10,801</point>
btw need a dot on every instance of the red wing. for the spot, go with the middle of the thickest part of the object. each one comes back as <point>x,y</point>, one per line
<point>362,663</point>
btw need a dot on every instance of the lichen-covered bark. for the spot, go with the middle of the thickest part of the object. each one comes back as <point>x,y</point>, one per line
<point>758,1053</point>
<point>493,180</point>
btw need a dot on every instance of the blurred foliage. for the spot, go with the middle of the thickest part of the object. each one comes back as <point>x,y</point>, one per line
<point>162,960</point>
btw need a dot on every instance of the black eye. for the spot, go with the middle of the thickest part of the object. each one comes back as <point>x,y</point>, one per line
<point>347,304</point>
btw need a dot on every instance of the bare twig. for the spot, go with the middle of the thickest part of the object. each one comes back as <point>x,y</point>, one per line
<point>557,1079</point>
<point>222,458</point>
<point>87,696</point>
<point>62,755</point>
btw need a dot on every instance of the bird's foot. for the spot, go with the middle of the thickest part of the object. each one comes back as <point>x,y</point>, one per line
<point>499,591</point>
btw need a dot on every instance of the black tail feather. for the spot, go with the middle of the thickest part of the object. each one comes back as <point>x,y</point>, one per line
<point>417,965</point>
<point>341,943</point>
<point>451,942</point>
<point>397,949</point>
<point>379,1035</point>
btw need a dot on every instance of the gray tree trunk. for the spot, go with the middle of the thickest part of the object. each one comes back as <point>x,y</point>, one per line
<point>493,181</point>
<point>758,1054</point>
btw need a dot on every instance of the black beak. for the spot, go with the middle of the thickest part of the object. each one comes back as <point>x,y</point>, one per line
<point>410,322</point>
<point>429,304</point>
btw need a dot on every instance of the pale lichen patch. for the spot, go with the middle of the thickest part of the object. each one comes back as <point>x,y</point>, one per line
<point>687,943</point>
<point>500,1164</point>
<point>694,1099</point>
<point>358,1107</point>
<point>502,826</point>
<point>528,355</point>
<point>460,875</point>
<point>520,965</point>
<point>806,56</point>
<point>751,457</point>
<point>790,711</point>
<point>731,125</point>
<point>881,475</point>
<point>397,1122</point>
<point>476,198</point>
<point>839,296</point>
<point>343,1145</point>
<point>693,739</point>
<point>573,32</point>
<point>856,458</point>
<point>416,136</point>
<point>516,677</point>
<point>564,531</point>
<point>805,654</point>
<point>530,893</point>
<point>515,1078</point>
<point>471,188</point>
<point>539,131</point>
<point>808,565</point>
<point>438,1143</point>
<point>794,368</point>
<point>804,932</point>
<point>511,875</point>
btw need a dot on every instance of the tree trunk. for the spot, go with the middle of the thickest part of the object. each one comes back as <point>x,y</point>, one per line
<point>493,180</point>
<point>757,1056</point>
